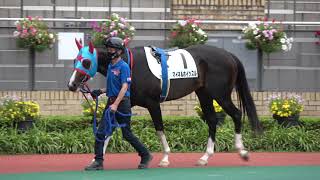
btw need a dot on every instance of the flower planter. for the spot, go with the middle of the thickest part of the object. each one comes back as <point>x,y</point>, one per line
<point>220,117</point>
<point>24,125</point>
<point>288,121</point>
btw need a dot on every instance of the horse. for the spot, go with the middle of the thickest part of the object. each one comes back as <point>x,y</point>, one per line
<point>219,72</point>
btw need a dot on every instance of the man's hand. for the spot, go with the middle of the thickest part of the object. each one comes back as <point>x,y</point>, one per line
<point>113,107</point>
<point>95,93</point>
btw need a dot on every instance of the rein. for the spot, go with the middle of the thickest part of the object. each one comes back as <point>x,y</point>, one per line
<point>109,116</point>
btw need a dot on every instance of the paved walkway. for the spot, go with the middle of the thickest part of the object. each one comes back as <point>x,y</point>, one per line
<point>76,162</point>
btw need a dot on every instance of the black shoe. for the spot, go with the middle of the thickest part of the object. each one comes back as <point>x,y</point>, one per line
<point>94,166</point>
<point>145,160</point>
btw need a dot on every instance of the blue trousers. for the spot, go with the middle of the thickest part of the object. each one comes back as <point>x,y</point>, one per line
<point>124,107</point>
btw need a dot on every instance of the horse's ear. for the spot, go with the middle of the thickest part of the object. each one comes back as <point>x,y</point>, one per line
<point>79,45</point>
<point>91,48</point>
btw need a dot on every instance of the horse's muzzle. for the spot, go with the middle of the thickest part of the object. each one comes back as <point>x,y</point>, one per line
<point>72,87</point>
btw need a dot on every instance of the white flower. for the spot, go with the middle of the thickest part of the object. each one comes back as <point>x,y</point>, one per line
<point>255,32</point>
<point>284,47</point>
<point>291,39</point>
<point>252,25</point>
<point>121,25</point>
<point>16,33</point>
<point>257,37</point>
<point>201,32</point>
<point>289,47</point>
<point>115,15</point>
<point>182,23</point>
<point>39,35</point>
<point>132,28</point>
<point>16,23</point>
<point>51,36</point>
<point>282,40</point>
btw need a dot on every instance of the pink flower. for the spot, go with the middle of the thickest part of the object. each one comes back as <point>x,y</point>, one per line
<point>126,41</point>
<point>174,34</point>
<point>30,18</point>
<point>94,24</point>
<point>18,27</point>
<point>114,33</point>
<point>122,20</point>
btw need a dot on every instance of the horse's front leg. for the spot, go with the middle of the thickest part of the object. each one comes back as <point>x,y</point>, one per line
<point>209,152</point>
<point>244,154</point>
<point>166,149</point>
<point>155,112</point>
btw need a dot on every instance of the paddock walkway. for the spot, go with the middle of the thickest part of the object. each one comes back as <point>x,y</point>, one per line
<point>10,164</point>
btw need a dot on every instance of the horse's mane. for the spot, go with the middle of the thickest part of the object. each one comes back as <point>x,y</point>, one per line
<point>102,60</point>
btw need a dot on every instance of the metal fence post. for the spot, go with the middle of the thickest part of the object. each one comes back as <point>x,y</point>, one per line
<point>32,59</point>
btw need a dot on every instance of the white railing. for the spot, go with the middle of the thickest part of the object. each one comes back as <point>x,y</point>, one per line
<point>315,23</point>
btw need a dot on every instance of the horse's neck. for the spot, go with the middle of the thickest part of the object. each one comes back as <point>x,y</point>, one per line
<point>102,62</point>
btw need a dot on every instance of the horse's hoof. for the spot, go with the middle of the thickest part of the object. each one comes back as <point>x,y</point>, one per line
<point>244,155</point>
<point>202,162</point>
<point>164,164</point>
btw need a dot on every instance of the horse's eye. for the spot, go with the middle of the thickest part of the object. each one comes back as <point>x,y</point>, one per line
<point>86,63</point>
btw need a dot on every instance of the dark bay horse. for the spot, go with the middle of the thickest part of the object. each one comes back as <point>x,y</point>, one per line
<point>219,72</point>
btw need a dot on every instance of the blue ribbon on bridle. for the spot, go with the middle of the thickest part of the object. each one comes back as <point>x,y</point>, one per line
<point>109,118</point>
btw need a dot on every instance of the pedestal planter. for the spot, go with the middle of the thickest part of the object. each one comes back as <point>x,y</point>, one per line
<point>221,116</point>
<point>287,121</point>
<point>24,125</point>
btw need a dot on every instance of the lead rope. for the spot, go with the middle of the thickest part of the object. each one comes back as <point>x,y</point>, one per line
<point>109,117</point>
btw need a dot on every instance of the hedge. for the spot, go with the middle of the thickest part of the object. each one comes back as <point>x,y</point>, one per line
<point>73,134</point>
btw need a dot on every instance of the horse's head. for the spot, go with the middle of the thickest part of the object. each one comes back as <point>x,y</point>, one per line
<point>85,66</point>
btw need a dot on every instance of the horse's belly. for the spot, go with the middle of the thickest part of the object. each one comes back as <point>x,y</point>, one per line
<point>182,87</point>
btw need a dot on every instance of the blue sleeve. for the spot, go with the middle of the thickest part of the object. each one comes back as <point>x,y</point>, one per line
<point>125,74</point>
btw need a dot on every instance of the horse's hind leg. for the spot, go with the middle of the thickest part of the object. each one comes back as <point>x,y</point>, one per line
<point>106,142</point>
<point>235,113</point>
<point>155,112</point>
<point>210,117</point>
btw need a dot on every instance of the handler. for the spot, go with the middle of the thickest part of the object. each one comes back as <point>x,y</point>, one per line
<point>118,92</point>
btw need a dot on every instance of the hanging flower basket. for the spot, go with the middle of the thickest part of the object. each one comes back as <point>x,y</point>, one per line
<point>186,33</point>
<point>266,36</point>
<point>33,33</point>
<point>116,26</point>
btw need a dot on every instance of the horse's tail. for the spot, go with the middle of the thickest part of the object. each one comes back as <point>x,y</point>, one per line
<point>246,101</point>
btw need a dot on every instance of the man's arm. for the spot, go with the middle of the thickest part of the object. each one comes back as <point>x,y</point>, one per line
<point>120,96</point>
